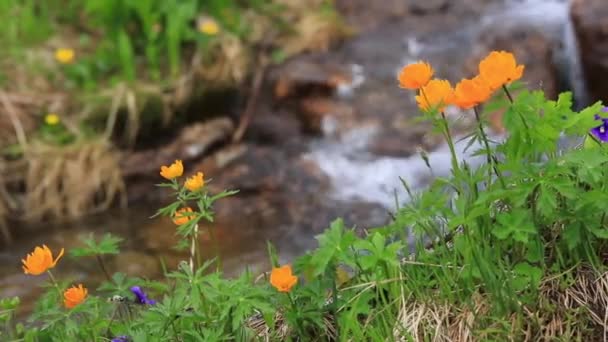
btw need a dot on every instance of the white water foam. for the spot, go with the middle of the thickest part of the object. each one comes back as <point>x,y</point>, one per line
<point>357,175</point>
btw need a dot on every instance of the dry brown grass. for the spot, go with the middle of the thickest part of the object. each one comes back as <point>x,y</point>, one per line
<point>578,312</point>
<point>69,182</point>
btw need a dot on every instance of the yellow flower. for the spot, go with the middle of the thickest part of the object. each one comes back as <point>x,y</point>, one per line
<point>64,56</point>
<point>470,93</point>
<point>282,278</point>
<point>435,95</point>
<point>172,171</point>
<point>51,119</point>
<point>40,260</point>
<point>415,76</point>
<point>183,216</point>
<point>500,68</point>
<point>74,296</point>
<point>208,27</point>
<point>195,182</point>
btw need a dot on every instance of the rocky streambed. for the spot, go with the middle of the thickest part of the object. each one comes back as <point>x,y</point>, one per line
<point>331,133</point>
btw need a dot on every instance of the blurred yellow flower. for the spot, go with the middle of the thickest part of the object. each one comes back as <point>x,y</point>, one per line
<point>208,27</point>
<point>195,182</point>
<point>64,56</point>
<point>51,119</point>
<point>40,260</point>
<point>173,171</point>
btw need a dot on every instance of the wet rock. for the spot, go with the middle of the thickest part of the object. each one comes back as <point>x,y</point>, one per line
<point>364,15</point>
<point>303,76</point>
<point>255,169</point>
<point>428,6</point>
<point>192,142</point>
<point>270,128</point>
<point>591,28</point>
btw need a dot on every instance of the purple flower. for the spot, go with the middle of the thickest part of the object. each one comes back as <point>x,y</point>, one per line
<point>122,338</point>
<point>601,131</point>
<point>141,297</point>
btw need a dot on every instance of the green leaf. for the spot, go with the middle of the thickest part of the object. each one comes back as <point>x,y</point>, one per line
<point>107,245</point>
<point>333,243</point>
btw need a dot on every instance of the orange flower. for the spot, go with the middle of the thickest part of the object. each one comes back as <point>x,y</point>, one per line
<point>471,92</point>
<point>415,76</point>
<point>195,182</point>
<point>74,296</point>
<point>40,260</point>
<point>183,216</point>
<point>282,278</point>
<point>500,68</point>
<point>173,171</point>
<point>435,95</point>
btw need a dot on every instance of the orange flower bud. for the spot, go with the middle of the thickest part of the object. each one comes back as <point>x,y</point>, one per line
<point>415,76</point>
<point>195,182</point>
<point>173,171</point>
<point>282,278</point>
<point>74,296</point>
<point>40,260</point>
<point>435,95</point>
<point>500,68</point>
<point>183,216</point>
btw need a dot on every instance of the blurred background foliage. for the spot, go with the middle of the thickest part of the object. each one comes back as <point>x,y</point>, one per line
<point>130,71</point>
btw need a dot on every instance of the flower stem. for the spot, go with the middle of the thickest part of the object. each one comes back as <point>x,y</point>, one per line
<point>102,265</point>
<point>490,160</point>
<point>54,282</point>
<point>448,138</point>
<point>193,243</point>
<point>294,307</point>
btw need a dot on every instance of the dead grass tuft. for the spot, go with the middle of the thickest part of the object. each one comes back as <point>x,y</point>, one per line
<point>578,312</point>
<point>69,182</point>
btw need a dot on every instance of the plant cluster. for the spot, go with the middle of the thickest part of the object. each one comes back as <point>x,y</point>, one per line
<point>511,250</point>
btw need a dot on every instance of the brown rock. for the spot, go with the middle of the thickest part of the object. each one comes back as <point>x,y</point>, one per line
<point>591,28</point>
<point>302,76</point>
<point>314,110</point>
<point>192,142</point>
<point>428,6</point>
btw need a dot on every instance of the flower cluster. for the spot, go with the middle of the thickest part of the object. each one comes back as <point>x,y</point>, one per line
<point>193,184</point>
<point>496,70</point>
<point>41,261</point>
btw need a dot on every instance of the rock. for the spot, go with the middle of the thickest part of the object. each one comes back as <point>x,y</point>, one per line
<point>192,142</point>
<point>364,15</point>
<point>427,6</point>
<point>270,128</point>
<point>591,28</point>
<point>303,76</point>
<point>255,169</point>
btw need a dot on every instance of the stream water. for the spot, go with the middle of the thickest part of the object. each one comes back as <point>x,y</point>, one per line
<point>362,184</point>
